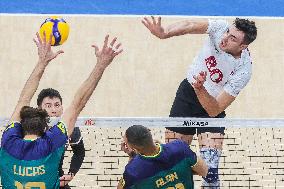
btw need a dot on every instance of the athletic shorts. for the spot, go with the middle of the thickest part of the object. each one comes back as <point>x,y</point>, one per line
<point>186,104</point>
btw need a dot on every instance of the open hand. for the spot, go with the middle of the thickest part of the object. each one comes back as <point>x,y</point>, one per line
<point>108,52</point>
<point>155,27</point>
<point>65,179</point>
<point>45,53</point>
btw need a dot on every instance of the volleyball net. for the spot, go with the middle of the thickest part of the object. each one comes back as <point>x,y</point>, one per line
<point>252,156</point>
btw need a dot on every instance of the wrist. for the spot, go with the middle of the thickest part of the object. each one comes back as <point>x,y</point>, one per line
<point>101,66</point>
<point>167,35</point>
<point>72,174</point>
<point>199,90</point>
<point>42,63</point>
<point>164,35</point>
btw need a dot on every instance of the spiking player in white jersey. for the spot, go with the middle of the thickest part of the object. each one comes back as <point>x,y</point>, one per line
<point>219,72</point>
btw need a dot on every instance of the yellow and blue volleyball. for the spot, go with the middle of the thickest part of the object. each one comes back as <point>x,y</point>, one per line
<point>56,26</point>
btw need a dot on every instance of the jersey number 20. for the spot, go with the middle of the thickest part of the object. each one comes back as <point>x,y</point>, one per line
<point>40,185</point>
<point>177,186</point>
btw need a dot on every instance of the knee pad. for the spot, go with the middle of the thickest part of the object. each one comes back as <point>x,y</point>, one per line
<point>211,156</point>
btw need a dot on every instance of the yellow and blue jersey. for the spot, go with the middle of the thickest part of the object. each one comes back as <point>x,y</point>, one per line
<point>169,169</point>
<point>31,164</point>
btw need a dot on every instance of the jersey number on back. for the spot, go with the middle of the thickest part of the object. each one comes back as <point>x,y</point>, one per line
<point>29,185</point>
<point>177,186</point>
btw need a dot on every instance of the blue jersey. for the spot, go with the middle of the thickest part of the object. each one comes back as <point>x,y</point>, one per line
<point>31,164</point>
<point>170,168</point>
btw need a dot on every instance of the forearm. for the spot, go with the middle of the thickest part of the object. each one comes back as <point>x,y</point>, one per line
<point>82,96</point>
<point>208,102</point>
<point>86,89</point>
<point>29,90</point>
<point>104,58</point>
<point>78,157</point>
<point>186,27</point>
<point>32,84</point>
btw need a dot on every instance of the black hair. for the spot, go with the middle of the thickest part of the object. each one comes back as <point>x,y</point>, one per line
<point>34,120</point>
<point>249,29</point>
<point>49,92</point>
<point>139,135</point>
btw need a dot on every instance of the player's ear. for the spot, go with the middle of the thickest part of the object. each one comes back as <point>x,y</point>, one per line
<point>135,150</point>
<point>243,46</point>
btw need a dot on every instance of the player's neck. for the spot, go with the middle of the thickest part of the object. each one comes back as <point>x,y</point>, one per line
<point>236,55</point>
<point>152,151</point>
<point>31,137</point>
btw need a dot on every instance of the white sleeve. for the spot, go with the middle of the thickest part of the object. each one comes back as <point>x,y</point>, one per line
<point>239,80</point>
<point>216,26</point>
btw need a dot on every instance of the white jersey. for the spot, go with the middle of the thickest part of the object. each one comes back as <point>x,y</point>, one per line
<point>224,72</point>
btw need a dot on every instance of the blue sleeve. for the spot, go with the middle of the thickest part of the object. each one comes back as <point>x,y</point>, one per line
<point>127,179</point>
<point>58,135</point>
<point>12,132</point>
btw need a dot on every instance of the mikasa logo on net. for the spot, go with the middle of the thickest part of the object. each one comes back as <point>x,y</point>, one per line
<point>194,123</point>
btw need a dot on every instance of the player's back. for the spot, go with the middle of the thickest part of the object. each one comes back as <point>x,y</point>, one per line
<point>31,164</point>
<point>170,168</point>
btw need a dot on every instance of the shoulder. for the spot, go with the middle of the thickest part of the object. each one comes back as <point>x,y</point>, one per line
<point>76,136</point>
<point>216,26</point>
<point>59,127</point>
<point>180,148</point>
<point>130,175</point>
<point>133,163</point>
<point>12,130</point>
<point>246,59</point>
<point>57,135</point>
<point>177,143</point>
<point>244,67</point>
<point>13,124</point>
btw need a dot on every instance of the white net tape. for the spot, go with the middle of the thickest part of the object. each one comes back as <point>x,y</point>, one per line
<point>168,122</point>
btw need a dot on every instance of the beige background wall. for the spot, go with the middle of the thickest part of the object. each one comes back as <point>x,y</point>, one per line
<point>143,80</point>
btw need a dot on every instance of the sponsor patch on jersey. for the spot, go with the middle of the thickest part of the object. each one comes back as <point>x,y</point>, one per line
<point>62,127</point>
<point>9,126</point>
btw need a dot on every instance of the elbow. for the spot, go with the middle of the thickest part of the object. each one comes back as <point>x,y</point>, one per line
<point>213,114</point>
<point>79,150</point>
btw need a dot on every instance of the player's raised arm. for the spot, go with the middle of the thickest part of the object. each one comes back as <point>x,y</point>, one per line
<point>104,58</point>
<point>45,55</point>
<point>179,28</point>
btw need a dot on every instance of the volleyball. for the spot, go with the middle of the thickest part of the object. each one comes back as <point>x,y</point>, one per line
<point>56,26</point>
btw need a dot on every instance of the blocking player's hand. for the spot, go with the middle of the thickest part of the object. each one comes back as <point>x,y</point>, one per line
<point>155,27</point>
<point>199,80</point>
<point>65,179</point>
<point>45,52</point>
<point>108,52</point>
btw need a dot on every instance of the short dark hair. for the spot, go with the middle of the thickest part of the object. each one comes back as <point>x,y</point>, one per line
<point>49,92</point>
<point>248,27</point>
<point>139,135</point>
<point>34,120</point>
